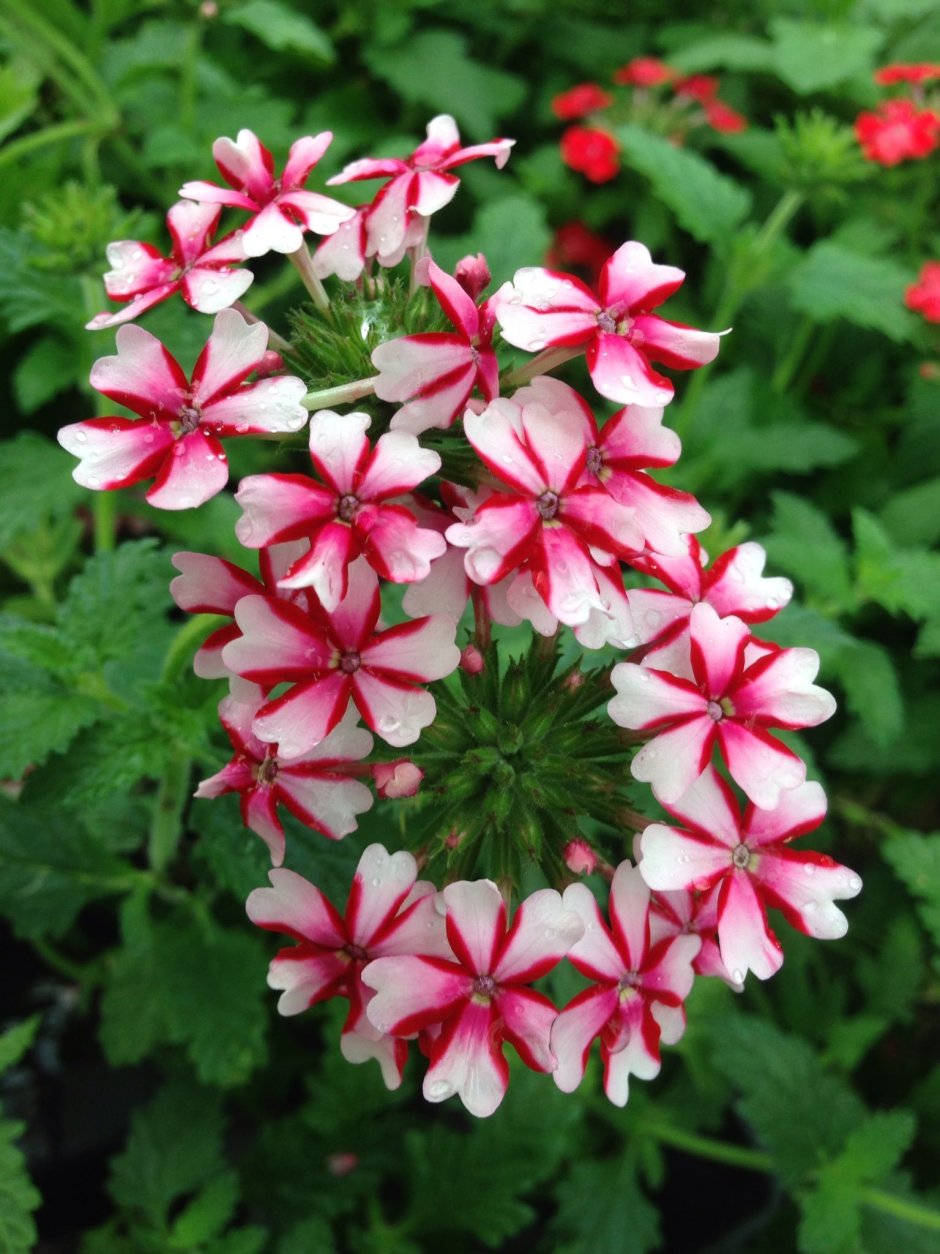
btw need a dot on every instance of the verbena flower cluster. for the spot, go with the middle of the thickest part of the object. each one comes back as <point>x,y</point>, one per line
<point>905,127</point>
<point>496,495</point>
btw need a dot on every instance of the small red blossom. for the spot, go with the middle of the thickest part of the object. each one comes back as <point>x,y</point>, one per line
<point>591,152</point>
<point>700,87</point>
<point>888,75</point>
<point>897,131</point>
<point>578,101</point>
<point>576,247</point>
<point>722,118</point>
<point>924,295</point>
<point>644,72</point>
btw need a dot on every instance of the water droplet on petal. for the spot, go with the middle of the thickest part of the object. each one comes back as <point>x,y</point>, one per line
<point>80,437</point>
<point>855,883</point>
<point>809,868</point>
<point>737,975</point>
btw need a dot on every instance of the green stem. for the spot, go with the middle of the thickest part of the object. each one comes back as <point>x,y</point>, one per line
<point>67,967</point>
<point>545,361</point>
<point>166,824</point>
<point>303,264</point>
<point>902,1208</point>
<point>104,511</point>
<point>189,635</point>
<point>341,395</point>
<point>48,135</point>
<point>788,363</point>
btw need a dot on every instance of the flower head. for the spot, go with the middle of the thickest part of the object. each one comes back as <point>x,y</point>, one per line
<point>924,295</point>
<point>592,152</point>
<point>578,101</point>
<point>897,131</point>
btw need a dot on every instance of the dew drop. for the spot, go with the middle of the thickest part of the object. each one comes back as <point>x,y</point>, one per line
<point>149,437</point>
<point>773,603</point>
<point>549,933</point>
<point>683,859</point>
<point>855,883</point>
<point>80,437</point>
<point>737,975</point>
<point>809,868</point>
<point>439,1089</point>
<point>652,618</point>
<point>376,882</point>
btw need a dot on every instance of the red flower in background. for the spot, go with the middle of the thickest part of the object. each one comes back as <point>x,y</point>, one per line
<point>580,100</point>
<point>724,119</point>
<point>700,87</point>
<point>644,72</point>
<point>924,295</point>
<point>897,131</point>
<point>922,73</point>
<point>576,247</point>
<point>591,152</point>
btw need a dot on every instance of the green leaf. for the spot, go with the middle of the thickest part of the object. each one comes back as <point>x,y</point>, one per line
<point>872,689</point>
<point>40,720</point>
<point>832,283</point>
<point>709,205</point>
<point>309,1234</point>
<point>175,1145</point>
<point>49,868</point>
<point>913,515</point>
<point>35,485</point>
<point>603,1209</point>
<point>901,580</point>
<point>813,56</point>
<point>29,295</point>
<point>803,542</point>
<point>52,365</point>
<point>916,859</point>
<point>282,29</point>
<point>207,1214</point>
<point>205,991</point>
<point>18,1197</point>
<point>19,94</point>
<point>724,52</point>
<point>434,68</point>
<point>15,1041</point>
<point>800,1112</point>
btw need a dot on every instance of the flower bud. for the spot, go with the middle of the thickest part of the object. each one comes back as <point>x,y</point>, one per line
<point>342,1164</point>
<point>579,857</point>
<point>397,779</point>
<point>473,275</point>
<point>471,660</point>
<point>270,363</point>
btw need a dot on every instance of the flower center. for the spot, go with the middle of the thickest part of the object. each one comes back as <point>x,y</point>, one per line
<point>606,323</point>
<point>267,771</point>
<point>348,507</point>
<point>484,987</point>
<point>741,856</point>
<point>547,505</point>
<point>715,711</point>
<point>189,416</point>
<point>350,662</point>
<point>594,460</point>
<point>357,952</point>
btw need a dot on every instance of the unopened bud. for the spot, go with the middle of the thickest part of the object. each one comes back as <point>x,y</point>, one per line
<point>580,858</point>
<point>572,682</point>
<point>471,660</point>
<point>473,275</point>
<point>342,1164</point>
<point>270,363</point>
<point>929,370</point>
<point>208,9</point>
<point>397,779</point>
<point>454,838</point>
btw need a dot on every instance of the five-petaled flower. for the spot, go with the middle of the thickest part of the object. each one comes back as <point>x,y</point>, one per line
<point>176,437</point>
<point>479,999</point>
<point>898,131</point>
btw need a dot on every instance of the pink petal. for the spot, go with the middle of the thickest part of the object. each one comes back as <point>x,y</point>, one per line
<point>195,470</point>
<point>543,308</point>
<point>266,407</point>
<point>418,651</point>
<point>295,907</point>
<point>595,954</point>
<point>717,650</point>
<point>398,464</point>
<point>581,1021</point>
<point>567,576</point>
<point>647,699</point>
<point>207,661</point>
<point>778,689</point>
<point>630,280</point>
<point>413,991</point>
<point>417,929</point>
<point>143,375</point>
<point>759,763</point>
<point>676,758</point>
<point>672,859</point>
<point>327,803</point>
<point>600,519</point>
<point>134,308</point>
<point>272,231</point>
<point>673,344</point>
<point>344,252</point>
<point>340,448</point>
<point>431,191</point>
<point>259,814</point>
<point>395,710</point>
<point>804,886</point>
<point>232,352</point>
<point>799,810</point>
<point>497,148</point>
<point>498,538</point>
<point>136,269</point>
<point>381,883</point>
<point>444,589</point>
<point>663,516</point>
<point>210,290</point>
<point>526,1022</point>
<point>467,1060</point>
<point>388,218</point>
<point>245,164</point>
<point>115,452</point>
<point>476,923</point>
<point>353,621</point>
<point>638,1055</point>
<point>305,715</point>
<point>614,624</point>
<point>635,438</point>
<point>324,567</point>
<point>307,977</point>
<point>670,970</point>
<point>209,585</point>
<point>419,365</point>
<point>497,435</point>
<point>629,915</point>
<point>369,168</point>
<point>398,549</point>
<point>655,611</point>
<point>744,936</point>
<point>622,374</point>
<point>212,194</point>
<point>362,1043</point>
<point>736,585</point>
<point>191,226</point>
<point>280,507</point>
<point>456,303</point>
<point>542,932</point>
<point>278,643</point>
<point>709,809</point>
<point>304,155</point>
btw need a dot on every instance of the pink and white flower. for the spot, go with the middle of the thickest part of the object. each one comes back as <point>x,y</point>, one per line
<point>388,912</point>
<point>205,274</point>
<point>282,209</point>
<point>635,1002</point>
<point>418,185</point>
<point>176,436</point>
<point>752,862</point>
<point>344,253</point>
<point>549,522</point>
<point>435,373</point>
<point>689,910</point>
<point>317,787</point>
<point>727,701</point>
<point>332,658</point>
<point>479,999</point>
<point>352,515</point>
<point>548,309</point>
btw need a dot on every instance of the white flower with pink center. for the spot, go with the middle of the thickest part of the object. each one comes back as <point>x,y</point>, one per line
<point>727,702</point>
<point>211,585</point>
<point>734,584</point>
<point>752,862</point>
<point>176,439</point>
<point>550,522</point>
<point>332,658</point>
<point>418,186</point>
<point>635,1001</point>
<point>317,787</point>
<point>205,274</point>
<point>283,210</point>
<point>388,912</point>
<point>479,1000</point>
<point>352,515</point>
<point>435,373</point>
<point>547,309</point>
<point>689,910</point>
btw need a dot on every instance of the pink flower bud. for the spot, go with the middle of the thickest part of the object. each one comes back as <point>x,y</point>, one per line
<point>580,858</point>
<point>270,363</point>
<point>454,838</point>
<point>573,681</point>
<point>397,779</point>
<point>473,275</point>
<point>208,9</point>
<point>471,660</point>
<point>342,1164</point>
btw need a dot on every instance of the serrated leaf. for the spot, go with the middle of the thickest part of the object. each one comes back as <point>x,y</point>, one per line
<point>18,1196</point>
<point>309,1234</point>
<point>707,204</point>
<point>435,68</point>
<point>912,516</point>
<point>15,1041</point>
<point>35,484</point>
<point>872,689</point>
<point>282,29</point>
<point>207,1214</point>
<point>175,1145</point>
<point>813,56</point>
<point>832,283</point>
<point>603,1209</point>
<point>49,868</point>
<point>29,295</point>
<point>905,580</point>
<point>39,722</point>
<point>916,859</point>
<point>803,543</point>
